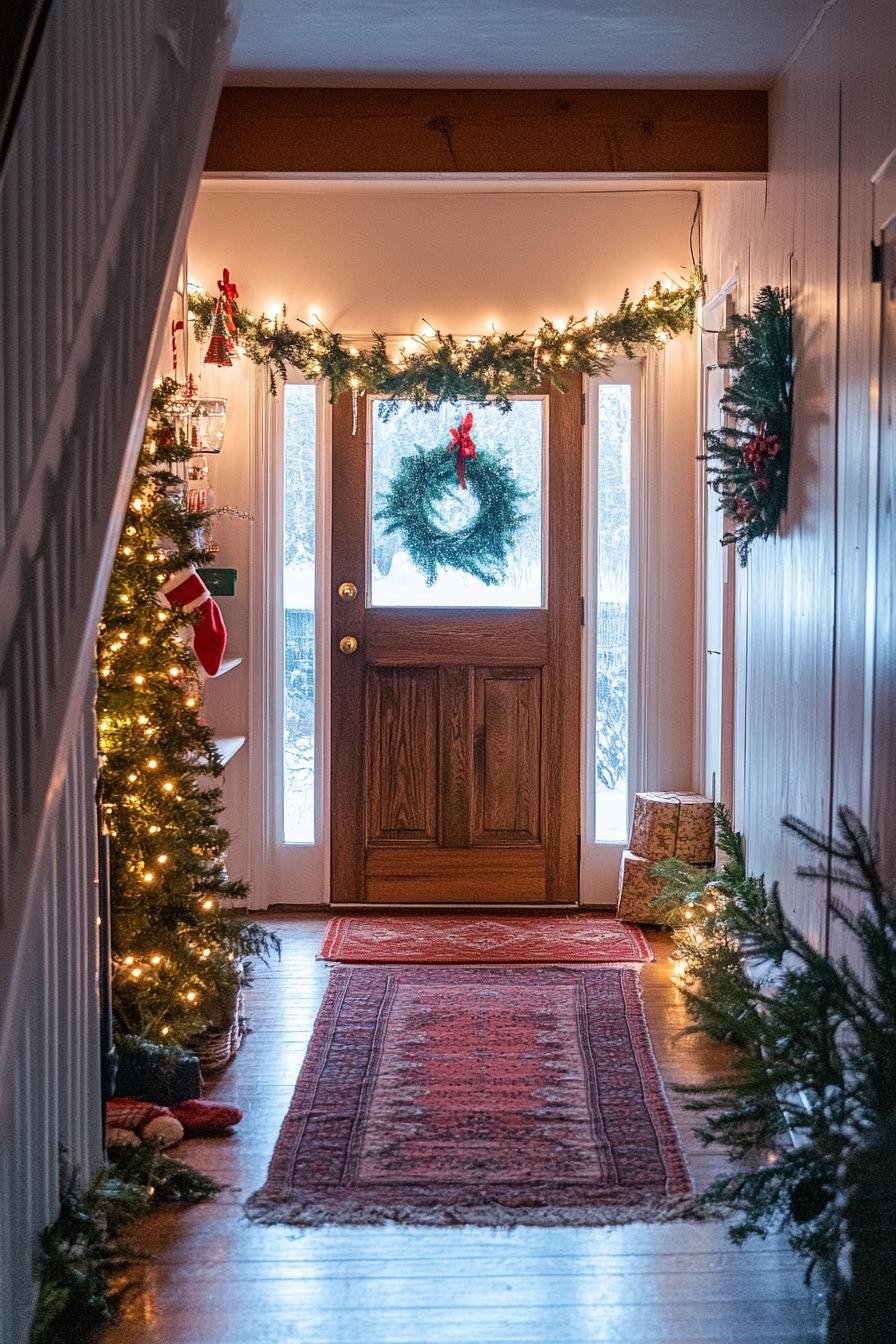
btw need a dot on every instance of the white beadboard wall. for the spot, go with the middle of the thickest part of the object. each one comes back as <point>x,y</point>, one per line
<point>95,195</point>
<point>802,742</point>
<point>50,1100</point>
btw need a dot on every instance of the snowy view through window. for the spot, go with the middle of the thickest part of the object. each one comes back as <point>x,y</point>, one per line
<point>614,439</point>
<point>299,440</point>
<point>516,435</point>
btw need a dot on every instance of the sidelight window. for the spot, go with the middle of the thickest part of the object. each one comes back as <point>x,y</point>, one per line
<point>613,590</point>
<point>299,664</point>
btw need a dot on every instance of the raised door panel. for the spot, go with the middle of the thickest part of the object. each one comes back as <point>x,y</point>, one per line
<point>455,755</point>
<point>507,756</point>
<point>402,755</point>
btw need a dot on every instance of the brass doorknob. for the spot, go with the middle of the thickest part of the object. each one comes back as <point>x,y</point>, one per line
<point>347,591</point>
<point>348,644</point>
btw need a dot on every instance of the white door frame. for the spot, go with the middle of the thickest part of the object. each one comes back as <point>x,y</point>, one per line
<point>285,874</point>
<point>298,875</point>
<point>714,321</point>
<point>599,865</point>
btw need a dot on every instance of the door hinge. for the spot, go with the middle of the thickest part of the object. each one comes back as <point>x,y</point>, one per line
<point>582,612</point>
<point>583,408</point>
<point>579,849</point>
<point>877,263</point>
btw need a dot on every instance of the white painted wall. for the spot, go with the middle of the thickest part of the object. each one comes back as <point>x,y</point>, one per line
<point>368,257</point>
<point>801,623</point>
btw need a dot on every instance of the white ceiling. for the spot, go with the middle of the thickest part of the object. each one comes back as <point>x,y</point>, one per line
<point>518,43</point>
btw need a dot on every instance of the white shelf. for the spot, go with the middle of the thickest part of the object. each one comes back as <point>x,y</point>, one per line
<point>227,666</point>
<point>228,747</point>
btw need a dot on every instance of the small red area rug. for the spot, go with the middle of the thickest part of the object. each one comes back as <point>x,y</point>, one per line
<point>488,1096</point>
<point>477,940</point>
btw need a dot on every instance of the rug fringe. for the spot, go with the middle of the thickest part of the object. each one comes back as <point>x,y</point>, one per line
<point>272,1209</point>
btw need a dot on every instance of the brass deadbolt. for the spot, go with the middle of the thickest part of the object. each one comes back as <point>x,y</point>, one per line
<point>348,644</point>
<point>347,591</point>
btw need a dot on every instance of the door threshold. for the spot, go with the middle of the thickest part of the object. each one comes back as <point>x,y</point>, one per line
<point>360,907</point>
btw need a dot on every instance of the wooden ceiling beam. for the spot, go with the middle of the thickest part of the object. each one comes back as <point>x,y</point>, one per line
<point>617,132</point>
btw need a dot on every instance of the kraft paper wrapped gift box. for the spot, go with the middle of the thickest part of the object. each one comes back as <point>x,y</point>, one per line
<point>673,825</point>
<point>637,888</point>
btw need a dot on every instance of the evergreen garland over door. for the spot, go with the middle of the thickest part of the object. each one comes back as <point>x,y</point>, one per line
<point>455,729</point>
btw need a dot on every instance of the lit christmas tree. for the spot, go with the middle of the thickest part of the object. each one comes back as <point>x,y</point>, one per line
<point>178,954</point>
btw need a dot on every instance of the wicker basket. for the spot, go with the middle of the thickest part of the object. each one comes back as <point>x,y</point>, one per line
<point>216,1047</point>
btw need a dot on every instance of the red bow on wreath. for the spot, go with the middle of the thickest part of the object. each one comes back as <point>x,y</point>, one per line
<point>463,445</point>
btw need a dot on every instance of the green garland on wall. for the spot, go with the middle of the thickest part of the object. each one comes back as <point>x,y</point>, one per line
<point>445,368</point>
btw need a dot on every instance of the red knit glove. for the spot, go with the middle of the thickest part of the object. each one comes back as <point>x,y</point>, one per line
<point>186,591</point>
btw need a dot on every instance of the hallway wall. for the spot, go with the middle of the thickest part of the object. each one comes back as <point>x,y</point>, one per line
<point>95,194</point>
<point>386,256</point>
<point>803,729</point>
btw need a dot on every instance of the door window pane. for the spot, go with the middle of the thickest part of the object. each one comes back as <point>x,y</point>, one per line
<point>515,439</point>
<point>299,445</point>
<point>614,444</point>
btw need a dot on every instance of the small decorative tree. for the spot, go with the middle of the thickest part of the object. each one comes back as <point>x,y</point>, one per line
<point>177,952</point>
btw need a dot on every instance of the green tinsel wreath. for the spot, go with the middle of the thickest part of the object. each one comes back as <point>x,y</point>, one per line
<point>482,546</point>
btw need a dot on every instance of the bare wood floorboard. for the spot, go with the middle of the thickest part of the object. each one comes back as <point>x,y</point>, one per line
<point>216,1278</point>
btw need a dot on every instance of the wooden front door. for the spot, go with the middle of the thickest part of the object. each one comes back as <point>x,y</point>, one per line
<point>455,728</point>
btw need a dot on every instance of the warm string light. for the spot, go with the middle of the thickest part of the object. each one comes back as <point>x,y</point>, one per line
<point>585,344</point>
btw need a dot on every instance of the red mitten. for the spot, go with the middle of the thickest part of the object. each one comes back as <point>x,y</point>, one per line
<point>205,1117</point>
<point>127,1122</point>
<point>186,591</point>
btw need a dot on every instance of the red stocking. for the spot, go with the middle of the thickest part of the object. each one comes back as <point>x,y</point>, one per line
<point>186,591</point>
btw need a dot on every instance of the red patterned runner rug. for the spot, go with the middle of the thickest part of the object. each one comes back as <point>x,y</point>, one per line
<point>476,940</point>
<point>487,1096</point>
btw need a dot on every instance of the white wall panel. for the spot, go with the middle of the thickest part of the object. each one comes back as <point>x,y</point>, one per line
<point>802,608</point>
<point>94,197</point>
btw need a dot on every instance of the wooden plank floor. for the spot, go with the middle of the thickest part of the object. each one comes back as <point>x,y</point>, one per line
<point>217,1278</point>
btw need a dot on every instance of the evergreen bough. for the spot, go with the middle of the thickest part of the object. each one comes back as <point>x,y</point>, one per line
<point>705,910</point>
<point>86,1268</point>
<point>812,1088</point>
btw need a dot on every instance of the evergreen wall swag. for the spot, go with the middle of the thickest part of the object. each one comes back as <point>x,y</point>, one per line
<point>445,368</point>
<point>748,460</point>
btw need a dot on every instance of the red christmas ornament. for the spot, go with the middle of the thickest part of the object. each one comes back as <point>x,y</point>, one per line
<point>463,445</point>
<point>175,328</point>
<point>218,352</point>
<point>222,344</point>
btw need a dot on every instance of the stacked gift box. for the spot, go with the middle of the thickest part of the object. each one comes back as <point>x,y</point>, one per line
<point>664,826</point>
